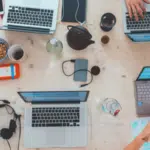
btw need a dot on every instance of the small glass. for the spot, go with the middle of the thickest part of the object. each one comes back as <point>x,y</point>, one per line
<point>55,47</point>
<point>111,106</point>
<point>105,39</point>
<point>108,21</point>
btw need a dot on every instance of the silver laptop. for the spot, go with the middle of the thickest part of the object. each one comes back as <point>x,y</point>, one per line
<point>142,92</point>
<point>137,31</point>
<point>55,119</point>
<point>38,16</point>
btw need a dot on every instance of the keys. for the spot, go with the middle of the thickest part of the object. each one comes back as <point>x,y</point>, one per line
<point>53,117</point>
<point>141,24</point>
<point>30,16</point>
<point>143,92</point>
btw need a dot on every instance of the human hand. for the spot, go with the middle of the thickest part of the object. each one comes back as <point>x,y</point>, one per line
<point>136,7</point>
<point>145,134</point>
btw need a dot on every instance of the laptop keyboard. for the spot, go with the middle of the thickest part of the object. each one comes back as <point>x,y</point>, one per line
<point>56,117</point>
<point>143,92</point>
<point>144,24</point>
<point>30,16</point>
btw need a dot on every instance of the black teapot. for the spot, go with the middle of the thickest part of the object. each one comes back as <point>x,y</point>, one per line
<point>78,37</point>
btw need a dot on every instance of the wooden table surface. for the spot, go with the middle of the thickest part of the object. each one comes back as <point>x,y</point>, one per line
<point>120,62</point>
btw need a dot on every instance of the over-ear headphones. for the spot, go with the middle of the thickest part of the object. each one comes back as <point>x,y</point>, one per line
<point>7,133</point>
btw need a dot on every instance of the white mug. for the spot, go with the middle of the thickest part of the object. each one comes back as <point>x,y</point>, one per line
<point>16,53</point>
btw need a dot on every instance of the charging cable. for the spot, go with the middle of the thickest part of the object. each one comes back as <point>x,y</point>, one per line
<point>68,75</point>
<point>76,13</point>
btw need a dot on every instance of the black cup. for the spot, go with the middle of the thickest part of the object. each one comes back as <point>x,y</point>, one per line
<point>108,21</point>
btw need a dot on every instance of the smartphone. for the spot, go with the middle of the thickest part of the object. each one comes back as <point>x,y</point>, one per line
<point>74,10</point>
<point>1,7</point>
<point>81,75</point>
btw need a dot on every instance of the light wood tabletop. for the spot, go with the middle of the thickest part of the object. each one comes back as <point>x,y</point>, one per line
<point>120,61</point>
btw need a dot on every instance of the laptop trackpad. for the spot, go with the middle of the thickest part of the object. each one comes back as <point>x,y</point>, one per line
<point>32,2</point>
<point>45,137</point>
<point>56,136</point>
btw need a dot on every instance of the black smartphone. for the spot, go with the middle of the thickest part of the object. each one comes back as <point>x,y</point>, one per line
<point>74,10</point>
<point>1,7</point>
<point>81,75</point>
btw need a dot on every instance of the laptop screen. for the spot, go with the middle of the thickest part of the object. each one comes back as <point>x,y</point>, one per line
<point>54,96</point>
<point>145,74</point>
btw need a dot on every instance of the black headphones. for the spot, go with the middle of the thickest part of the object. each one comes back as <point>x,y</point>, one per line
<point>7,133</point>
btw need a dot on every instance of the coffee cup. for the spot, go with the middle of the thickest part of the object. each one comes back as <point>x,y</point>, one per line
<point>17,53</point>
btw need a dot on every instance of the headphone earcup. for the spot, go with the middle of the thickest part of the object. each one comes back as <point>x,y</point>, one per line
<point>6,133</point>
<point>12,126</point>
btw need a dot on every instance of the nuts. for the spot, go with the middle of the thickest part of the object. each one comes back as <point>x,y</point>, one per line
<point>3,50</point>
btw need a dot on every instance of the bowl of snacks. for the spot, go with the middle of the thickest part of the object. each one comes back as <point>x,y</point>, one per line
<point>3,49</point>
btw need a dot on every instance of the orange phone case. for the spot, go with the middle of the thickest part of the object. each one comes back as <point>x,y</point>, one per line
<point>11,77</point>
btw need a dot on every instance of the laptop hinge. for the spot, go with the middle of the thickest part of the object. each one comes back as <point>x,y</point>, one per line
<point>40,103</point>
<point>28,29</point>
<point>141,31</point>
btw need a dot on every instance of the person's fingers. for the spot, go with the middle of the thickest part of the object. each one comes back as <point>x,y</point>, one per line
<point>135,12</point>
<point>147,1</point>
<point>142,6</point>
<point>139,10</point>
<point>130,11</point>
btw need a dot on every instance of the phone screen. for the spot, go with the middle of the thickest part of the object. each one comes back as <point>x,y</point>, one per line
<point>72,11</point>
<point>1,6</point>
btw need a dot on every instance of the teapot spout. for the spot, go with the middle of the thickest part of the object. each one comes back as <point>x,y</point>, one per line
<point>91,42</point>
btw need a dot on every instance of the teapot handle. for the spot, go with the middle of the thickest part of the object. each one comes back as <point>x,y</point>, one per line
<point>68,27</point>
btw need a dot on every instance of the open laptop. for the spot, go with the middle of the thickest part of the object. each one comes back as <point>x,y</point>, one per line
<point>137,31</point>
<point>142,92</point>
<point>37,16</point>
<point>55,119</point>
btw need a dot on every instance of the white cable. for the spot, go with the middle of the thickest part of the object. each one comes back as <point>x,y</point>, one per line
<point>76,13</point>
<point>63,7</point>
<point>77,10</point>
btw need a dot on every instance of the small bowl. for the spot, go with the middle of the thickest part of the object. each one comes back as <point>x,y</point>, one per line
<point>2,41</point>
